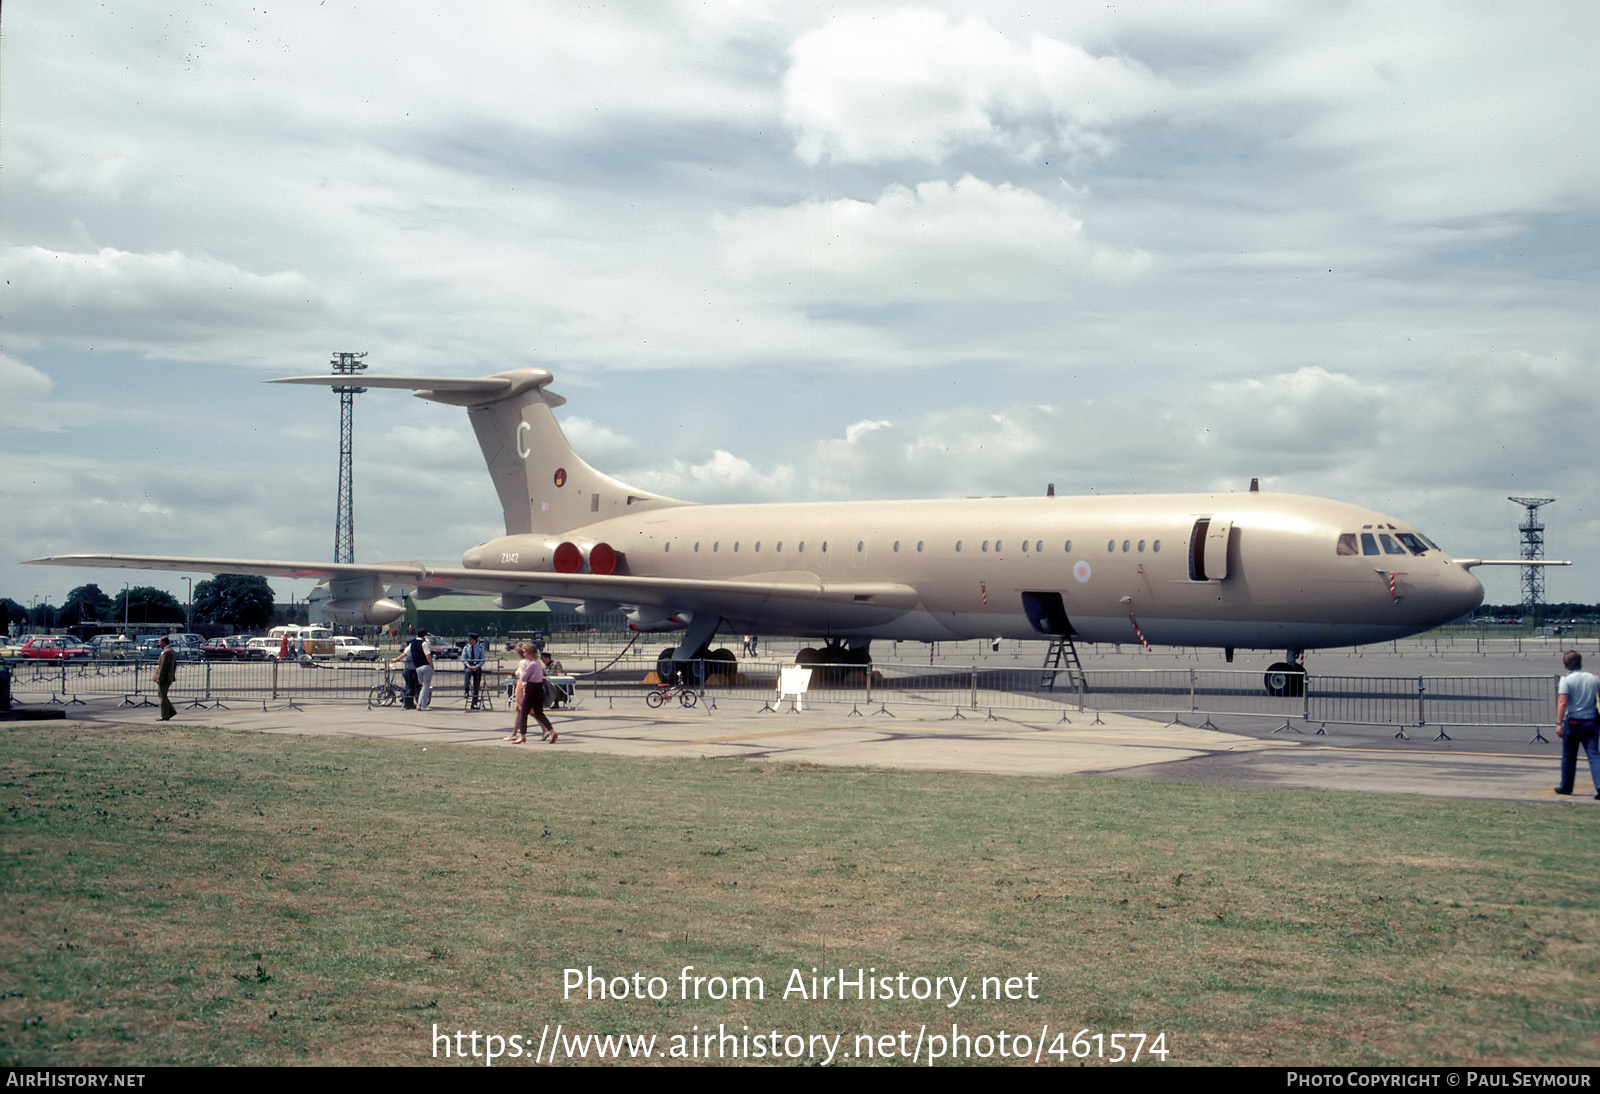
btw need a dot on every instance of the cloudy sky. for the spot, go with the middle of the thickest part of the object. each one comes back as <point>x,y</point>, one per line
<point>775,250</point>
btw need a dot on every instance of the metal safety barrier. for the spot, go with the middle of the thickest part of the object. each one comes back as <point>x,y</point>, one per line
<point>1437,703</point>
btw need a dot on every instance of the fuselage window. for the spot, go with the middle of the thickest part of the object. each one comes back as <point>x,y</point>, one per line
<point>1141,546</point>
<point>985,545</point>
<point>758,546</point>
<point>824,547</point>
<point>802,548</point>
<point>736,546</point>
<point>958,546</point>
<point>779,547</point>
<point>666,548</point>
<point>696,546</point>
<point>1111,545</point>
<point>1024,546</point>
<point>996,546</point>
<point>919,546</point>
<point>715,544</point>
<point>1390,547</point>
<point>896,546</point>
<point>1369,546</point>
<point>1347,545</point>
<point>1039,546</point>
<point>861,546</point>
<point>1156,547</point>
<point>1124,546</point>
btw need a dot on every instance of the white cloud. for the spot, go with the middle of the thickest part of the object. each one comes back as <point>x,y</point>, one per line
<point>911,84</point>
<point>939,241</point>
<point>24,394</point>
<point>117,298</point>
<point>1431,112</point>
<point>719,478</point>
<point>600,447</point>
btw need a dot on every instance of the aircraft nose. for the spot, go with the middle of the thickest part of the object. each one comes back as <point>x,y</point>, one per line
<point>1457,593</point>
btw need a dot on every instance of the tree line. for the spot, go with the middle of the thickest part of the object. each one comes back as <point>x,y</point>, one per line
<point>237,600</point>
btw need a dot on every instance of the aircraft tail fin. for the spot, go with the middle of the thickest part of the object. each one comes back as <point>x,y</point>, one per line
<point>544,486</point>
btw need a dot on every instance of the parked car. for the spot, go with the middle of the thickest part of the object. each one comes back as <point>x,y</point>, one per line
<point>234,648</point>
<point>187,646</point>
<point>262,649</point>
<point>444,649</point>
<point>113,647</point>
<point>349,648</point>
<point>55,648</point>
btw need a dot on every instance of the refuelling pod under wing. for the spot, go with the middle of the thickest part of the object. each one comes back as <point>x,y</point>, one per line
<point>654,620</point>
<point>377,612</point>
<point>360,602</point>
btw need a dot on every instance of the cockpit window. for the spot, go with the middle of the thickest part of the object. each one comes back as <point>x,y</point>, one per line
<point>1390,547</point>
<point>1347,545</point>
<point>1369,545</point>
<point>1432,545</point>
<point>1413,543</point>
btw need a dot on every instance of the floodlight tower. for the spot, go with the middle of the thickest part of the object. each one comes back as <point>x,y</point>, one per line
<point>344,530</point>
<point>1532,551</point>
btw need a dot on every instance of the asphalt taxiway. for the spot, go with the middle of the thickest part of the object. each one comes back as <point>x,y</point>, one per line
<point>1022,743</point>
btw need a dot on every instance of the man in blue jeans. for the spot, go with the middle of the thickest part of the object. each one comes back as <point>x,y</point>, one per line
<point>1577,721</point>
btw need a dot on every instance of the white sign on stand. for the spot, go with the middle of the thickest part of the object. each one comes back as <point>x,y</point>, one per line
<point>793,680</point>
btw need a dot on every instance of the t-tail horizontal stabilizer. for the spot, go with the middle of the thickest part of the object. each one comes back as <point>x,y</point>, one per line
<point>544,486</point>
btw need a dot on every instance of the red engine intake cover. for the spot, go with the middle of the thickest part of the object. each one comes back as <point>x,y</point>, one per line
<point>602,559</point>
<point>567,559</point>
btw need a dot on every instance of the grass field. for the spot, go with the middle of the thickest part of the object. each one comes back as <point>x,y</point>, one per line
<point>183,895</point>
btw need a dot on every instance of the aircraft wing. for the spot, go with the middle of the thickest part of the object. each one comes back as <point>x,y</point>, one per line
<point>665,592</point>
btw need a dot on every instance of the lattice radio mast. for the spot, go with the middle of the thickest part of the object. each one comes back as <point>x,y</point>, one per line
<point>1532,550</point>
<point>344,530</point>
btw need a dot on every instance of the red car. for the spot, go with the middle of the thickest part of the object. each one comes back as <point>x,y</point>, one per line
<point>55,648</point>
<point>230,649</point>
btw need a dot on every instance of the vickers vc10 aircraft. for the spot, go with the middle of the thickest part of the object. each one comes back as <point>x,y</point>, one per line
<point>1231,570</point>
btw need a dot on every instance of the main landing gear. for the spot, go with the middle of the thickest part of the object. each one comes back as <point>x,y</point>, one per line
<point>836,652</point>
<point>1286,677</point>
<point>842,660</point>
<point>695,670</point>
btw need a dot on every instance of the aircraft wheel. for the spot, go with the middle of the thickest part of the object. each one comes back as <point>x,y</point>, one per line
<point>1285,678</point>
<point>808,656</point>
<point>722,663</point>
<point>666,667</point>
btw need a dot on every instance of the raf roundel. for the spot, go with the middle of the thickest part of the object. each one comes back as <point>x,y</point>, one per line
<point>1080,570</point>
<point>560,477</point>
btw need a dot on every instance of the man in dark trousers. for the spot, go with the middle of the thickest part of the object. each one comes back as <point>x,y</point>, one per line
<point>166,673</point>
<point>1578,722</point>
<point>473,656</point>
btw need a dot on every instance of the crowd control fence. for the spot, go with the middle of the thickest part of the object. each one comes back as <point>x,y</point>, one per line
<point>1405,705</point>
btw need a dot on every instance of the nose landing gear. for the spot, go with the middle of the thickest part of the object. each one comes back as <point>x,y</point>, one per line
<point>1286,677</point>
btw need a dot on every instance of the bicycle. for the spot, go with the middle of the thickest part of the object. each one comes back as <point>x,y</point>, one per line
<point>388,693</point>
<point>664,692</point>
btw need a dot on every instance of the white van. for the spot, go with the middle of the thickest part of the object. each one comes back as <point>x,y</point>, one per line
<point>318,641</point>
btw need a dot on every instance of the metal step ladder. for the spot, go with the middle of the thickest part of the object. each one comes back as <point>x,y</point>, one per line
<point>1062,657</point>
